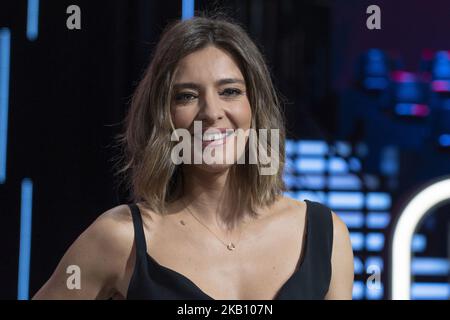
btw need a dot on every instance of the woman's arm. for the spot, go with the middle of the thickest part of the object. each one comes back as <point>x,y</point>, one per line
<point>100,252</point>
<point>341,284</point>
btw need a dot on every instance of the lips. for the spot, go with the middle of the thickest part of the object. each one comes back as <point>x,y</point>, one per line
<point>214,136</point>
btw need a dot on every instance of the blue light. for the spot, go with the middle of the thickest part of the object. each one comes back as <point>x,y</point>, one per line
<point>310,181</point>
<point>429,290</point>
<point>389,161</point>
<point>346,200</point>
<point>358,290</point>
<point>344,182</point>
<point>344,149</point>
<point>33,20</point>
<point>289,181</point>
<point>290,147</point>
<point>310,165</point>
<point>312,147</point>
<point>375,83</point>
<point>430,267</point>
<point>354,164</point>
<point>289,166</point>
<point>187,9</point>
<point>352,219</point>
<point>357,240</point>
<point>373,293</point>
<point>374,261</point>
<point>441,68</point>
<point>378,201</point>
<point>337,165</point>
<point>25,239</point>
<point>419,243</point>
<point>444,140</point>
<point>378,220</point>
<point>5,47</point>
<point>375,241</point>
<point>403,109</point>
<point>358,265</point>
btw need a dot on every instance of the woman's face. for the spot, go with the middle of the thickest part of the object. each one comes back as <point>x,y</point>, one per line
<point>210,88</point>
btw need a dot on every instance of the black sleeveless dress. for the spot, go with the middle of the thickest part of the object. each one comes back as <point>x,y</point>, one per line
<point>311,279</point>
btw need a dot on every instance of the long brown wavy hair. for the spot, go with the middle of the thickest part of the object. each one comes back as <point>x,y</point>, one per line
<point>146,164</point>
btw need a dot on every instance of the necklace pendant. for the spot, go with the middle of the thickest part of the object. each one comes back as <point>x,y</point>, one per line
<point>231,246</point>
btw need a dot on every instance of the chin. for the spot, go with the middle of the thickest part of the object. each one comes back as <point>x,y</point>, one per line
<point>215,168</point>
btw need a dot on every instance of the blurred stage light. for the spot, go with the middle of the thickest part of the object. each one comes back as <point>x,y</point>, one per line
<point>26,209</point>
<point>425,266</point>
<point>375,241</point>
<point>187,9</point>
<point>358,290</point>
<point>358,266</point>
<point>419,243</point>
<point>357,239</point>
<point>310,165</point>
<point>337,165</point>
<point>444,140</point>
<point>33,20</point>
<point>344,182</point>
<point>430,291</point>
<point>378,220</point>
<point>346,200</point>
<point>412,110</point>
<point>353,220</point>
<point>373,70</point>
<point>5,47</point>
<point>378,201</point>
<point>312,147</point>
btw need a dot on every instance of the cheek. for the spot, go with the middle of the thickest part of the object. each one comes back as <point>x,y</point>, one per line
<point>181,118</point>
<point>243,115</point>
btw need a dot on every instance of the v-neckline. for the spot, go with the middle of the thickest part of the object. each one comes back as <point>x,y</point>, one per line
<point>299,265</point>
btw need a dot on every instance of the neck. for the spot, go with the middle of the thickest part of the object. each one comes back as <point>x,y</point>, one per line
<point>207,194</point>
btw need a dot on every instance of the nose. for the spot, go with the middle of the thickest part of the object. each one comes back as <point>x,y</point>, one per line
<point>211,109</point>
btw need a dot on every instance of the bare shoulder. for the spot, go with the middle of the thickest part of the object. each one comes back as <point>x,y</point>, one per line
<point>340,230</point>
<point>289,205</point>
<point>116,224</point>
<point>101,253</point>
<point>341,283</point>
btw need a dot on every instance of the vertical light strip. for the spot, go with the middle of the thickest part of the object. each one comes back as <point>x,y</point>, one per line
<point>187,9</point>
<point>5,47</point>
<point>404,230</point>
<point>25,239</point>
<point>33,20</point>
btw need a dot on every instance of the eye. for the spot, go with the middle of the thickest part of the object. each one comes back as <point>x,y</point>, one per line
<point>231,92</point>
<point>184,97</point>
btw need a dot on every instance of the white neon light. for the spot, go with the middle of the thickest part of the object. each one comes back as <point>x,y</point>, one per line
<point>409,219</point>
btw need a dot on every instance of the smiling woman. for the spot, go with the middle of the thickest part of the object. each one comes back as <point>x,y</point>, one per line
<point>207,230</point>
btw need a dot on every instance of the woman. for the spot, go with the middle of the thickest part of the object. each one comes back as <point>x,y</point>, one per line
<point>206,230</point>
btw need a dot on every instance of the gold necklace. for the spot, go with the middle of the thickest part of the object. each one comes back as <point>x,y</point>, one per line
<point>230,245</point>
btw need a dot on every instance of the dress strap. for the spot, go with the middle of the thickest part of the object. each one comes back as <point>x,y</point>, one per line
<point>320,227</point>
<point>139,235</point>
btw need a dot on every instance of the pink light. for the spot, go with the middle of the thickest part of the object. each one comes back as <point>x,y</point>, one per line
<point>440,86</point>
<point>427,54</point>
<point>403,76</point>
<point>420,110</point>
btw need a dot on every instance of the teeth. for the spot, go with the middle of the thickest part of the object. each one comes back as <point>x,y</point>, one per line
<point>214,136</point>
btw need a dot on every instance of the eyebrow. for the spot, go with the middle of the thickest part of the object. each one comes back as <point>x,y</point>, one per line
<point>193,85</point>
